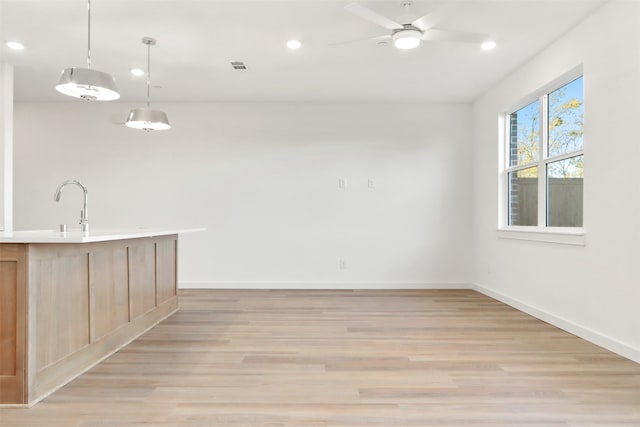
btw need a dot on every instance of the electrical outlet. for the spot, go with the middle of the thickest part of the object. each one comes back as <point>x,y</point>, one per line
<point>371,183</point>
<point>342,183</point>
<point>343,264</point>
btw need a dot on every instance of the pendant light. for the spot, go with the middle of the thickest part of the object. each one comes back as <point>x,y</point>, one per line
<point>86,83</point>
<point>145,118</point>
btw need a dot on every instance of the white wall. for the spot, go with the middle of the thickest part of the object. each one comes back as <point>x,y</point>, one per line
<point>3,78</point>
<point>591,290</point>
<point>263,180</point>
<point>6,146</point>
<point>3,157</point>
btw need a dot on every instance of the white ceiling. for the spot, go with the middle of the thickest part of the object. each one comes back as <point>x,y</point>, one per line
<point>198,38</point>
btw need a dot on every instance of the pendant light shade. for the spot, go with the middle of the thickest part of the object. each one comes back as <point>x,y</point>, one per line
<point>145,118</point>
<point>86,83</point>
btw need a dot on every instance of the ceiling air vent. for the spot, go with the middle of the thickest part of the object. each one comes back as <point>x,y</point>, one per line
<point>238,65</point>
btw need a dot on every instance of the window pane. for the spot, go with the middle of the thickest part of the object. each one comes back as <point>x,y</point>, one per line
<point>523,197</point>
<point>566,119</point>
<point>524,135</point>
<point>564,188</point>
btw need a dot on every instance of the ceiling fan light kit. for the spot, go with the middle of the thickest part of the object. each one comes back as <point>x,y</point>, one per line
<point>407,38</point>
<point>86,83</point>
<point>145,118</point>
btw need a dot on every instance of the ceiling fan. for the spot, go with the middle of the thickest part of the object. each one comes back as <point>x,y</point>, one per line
<point>409,36</point>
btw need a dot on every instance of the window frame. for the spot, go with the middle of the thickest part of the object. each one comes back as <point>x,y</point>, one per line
<point>541,231</point>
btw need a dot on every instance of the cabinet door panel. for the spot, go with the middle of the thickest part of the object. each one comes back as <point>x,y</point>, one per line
<point>142,279</point>
<point>8,317</point>
<point>61,307</point>
<point>109,291</point>
<point>12,323</point>
<point>166,269</point>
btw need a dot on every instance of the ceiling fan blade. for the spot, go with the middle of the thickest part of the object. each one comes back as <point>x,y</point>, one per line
<point>379,38</point>
<point>371,16</point>
<point>432,18</point>
<point>453,36</point>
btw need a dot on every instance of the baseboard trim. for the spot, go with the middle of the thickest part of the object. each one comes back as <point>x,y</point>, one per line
<point>594,337</point>
<point>319,285</point>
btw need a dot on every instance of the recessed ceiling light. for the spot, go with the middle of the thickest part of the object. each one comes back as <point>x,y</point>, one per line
<point>137,72</point>
<point>294,44</point>
<point>15,45</point>
<point>488,45</point>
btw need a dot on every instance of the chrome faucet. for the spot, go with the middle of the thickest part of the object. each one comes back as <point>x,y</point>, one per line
<point>84,216</point>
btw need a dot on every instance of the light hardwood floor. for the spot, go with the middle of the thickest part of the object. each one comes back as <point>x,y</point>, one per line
<point>348,358</point>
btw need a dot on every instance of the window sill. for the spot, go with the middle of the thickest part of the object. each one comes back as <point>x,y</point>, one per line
<point>562,236</point>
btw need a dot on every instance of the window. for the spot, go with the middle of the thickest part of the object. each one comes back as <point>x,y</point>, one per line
<point>544,154</point>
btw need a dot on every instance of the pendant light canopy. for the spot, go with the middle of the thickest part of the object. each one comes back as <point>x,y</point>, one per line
<point>145,118</point>
<point>86,83</point>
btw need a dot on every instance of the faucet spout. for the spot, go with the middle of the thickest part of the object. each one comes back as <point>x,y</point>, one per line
<point>84,214</point>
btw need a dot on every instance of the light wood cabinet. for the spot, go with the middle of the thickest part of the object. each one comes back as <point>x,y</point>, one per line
<point>79,302</point>
<point>13,279</point>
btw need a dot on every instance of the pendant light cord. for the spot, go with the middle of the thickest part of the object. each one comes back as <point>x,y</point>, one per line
<point>148,75</point>
<point>89,34</point>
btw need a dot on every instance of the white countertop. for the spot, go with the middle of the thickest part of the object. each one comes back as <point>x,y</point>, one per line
<point>77,236</point>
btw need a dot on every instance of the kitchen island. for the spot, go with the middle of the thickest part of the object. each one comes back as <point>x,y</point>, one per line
<point>69,300</point>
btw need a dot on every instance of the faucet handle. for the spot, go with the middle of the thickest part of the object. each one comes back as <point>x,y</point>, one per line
<point>81,216</point>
